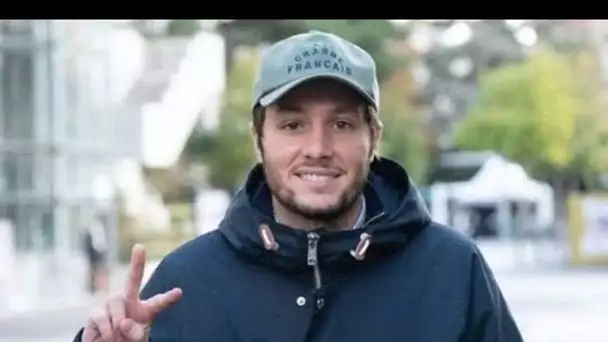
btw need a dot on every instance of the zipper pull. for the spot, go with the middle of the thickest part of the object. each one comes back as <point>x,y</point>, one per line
<point>313,252</point>
<point>313,258</point>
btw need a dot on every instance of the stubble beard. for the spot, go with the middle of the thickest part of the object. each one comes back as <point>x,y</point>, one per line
<point>326,216</point>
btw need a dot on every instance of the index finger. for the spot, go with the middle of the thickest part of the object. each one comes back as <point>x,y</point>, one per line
<point>136,273</point>
<point>162,301</point>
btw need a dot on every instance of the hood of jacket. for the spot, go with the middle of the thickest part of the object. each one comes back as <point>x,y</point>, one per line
<point>395,214</point>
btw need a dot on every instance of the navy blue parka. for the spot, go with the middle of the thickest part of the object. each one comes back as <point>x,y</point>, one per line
<point>401,277</point>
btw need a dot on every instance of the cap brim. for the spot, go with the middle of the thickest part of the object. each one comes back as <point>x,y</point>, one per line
<point>276,94</point>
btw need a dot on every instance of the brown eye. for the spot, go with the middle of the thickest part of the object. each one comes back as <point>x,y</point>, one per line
<point>292,126</point>
<point>341,125</point>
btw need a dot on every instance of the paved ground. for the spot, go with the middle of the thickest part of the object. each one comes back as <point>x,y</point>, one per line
<point>45,326</point>
<point>57,319</point>
<point>549,304</point>
<point>558,306</point>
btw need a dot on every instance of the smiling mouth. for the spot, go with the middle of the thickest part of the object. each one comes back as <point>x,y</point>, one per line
<point>316,177</point>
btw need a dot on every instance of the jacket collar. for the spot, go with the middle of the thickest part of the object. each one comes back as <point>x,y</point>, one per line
<point>395,213</point>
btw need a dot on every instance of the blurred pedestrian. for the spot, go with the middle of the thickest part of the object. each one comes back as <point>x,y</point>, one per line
<point>326,241</point>
<point>96,246</point>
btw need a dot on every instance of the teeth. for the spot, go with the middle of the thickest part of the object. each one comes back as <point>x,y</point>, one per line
<point>313,177</point>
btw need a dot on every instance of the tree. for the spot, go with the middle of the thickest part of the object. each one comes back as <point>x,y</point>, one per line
<point>542,113</point>
<point>590,146</point>
<point>182,27</point>
<point>525,111</point>
<point>404,132</point>
<point>253,32</point>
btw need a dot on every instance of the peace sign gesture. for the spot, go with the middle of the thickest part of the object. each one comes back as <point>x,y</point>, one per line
<point>126,318</point>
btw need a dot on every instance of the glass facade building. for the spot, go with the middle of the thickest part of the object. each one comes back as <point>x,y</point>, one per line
<point>62,129</point>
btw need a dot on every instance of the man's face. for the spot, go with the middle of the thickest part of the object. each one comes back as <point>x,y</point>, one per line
<point>316,148</point>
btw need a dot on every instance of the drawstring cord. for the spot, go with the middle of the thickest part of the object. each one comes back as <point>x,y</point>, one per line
<point>365,240</point>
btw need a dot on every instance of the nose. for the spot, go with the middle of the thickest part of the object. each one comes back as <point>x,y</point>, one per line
<point>319,144</point>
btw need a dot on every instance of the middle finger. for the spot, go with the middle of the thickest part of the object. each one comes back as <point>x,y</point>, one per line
<point>102,321</point>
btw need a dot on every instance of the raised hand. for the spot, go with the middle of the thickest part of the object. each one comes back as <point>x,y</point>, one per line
<point>126,318</point>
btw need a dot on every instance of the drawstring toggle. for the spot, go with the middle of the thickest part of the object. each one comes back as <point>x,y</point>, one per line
<point>270,243</point>
<point>364,243</point>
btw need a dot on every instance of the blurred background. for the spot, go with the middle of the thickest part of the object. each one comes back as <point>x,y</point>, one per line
<point>121,131</point>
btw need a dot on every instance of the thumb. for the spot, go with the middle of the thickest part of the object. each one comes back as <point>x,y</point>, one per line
<point>133,332</point>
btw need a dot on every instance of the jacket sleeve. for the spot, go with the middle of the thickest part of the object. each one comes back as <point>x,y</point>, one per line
<point>78,337</point>
<point>489,318</point>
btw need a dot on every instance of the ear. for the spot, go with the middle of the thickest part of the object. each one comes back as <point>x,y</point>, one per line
<point>256,146</point>
<point>377,136</point>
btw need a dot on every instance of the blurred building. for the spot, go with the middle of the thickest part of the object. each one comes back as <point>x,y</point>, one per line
<point>63,130</point>
<point>60,128</point>
<point>84,106</point>
<point>78,97</point>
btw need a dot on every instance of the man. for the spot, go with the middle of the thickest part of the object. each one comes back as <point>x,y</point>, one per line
<point>325,241</point>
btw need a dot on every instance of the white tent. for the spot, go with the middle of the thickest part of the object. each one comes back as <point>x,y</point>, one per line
<point>500,181</point>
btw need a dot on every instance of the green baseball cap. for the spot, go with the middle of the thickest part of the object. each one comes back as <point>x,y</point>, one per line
<point>314,54</point>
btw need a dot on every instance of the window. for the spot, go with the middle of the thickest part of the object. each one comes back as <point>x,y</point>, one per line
<point>44,174</point>
<point>10,173</point>
<point>17,28</point>
<point>17,95</point>
<point>72,98</point>
<point>25,177</point>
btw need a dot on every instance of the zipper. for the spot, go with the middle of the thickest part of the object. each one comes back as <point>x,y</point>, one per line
<point>313,253</point>
<point>313,258</point>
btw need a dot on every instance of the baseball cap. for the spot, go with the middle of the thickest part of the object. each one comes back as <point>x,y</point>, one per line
<point>314,54</point>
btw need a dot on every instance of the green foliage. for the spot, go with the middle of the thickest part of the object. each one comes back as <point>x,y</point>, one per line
<point>537,112</point>
<point>590,146</point>
<point>182,27</point>
<point>253,32</point>
<point>404,132</point>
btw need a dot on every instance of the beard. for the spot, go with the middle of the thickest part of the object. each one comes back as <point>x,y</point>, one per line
<point>345,201</point>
